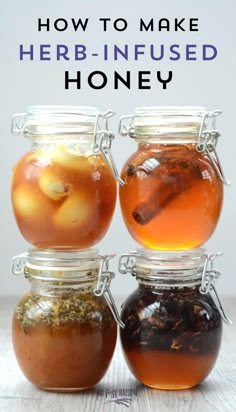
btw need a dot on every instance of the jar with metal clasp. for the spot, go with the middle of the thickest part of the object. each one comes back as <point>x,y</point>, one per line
<point>173,190</point>
<point>64,330</point>
<point>64,189</point>
<point>173,320</point>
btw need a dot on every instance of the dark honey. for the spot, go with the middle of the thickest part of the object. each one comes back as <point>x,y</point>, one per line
<point>171,337</point>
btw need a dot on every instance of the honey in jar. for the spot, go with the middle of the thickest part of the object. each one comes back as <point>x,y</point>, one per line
<point>173,190</point>
<point>63,330</point>
<point>173,326</point>
<point>64,190</point>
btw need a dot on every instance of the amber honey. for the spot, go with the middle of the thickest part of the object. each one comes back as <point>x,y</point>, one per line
<point>169,371</point>
<point>63,343</point>
<point>62,199</point>
<point>69,357</point>
<point>172,197</point>
<point>171,337</point>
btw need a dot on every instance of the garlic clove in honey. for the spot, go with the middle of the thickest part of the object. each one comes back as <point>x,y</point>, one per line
<point>27,204</point>
<point>71,161</point>
<point>76,211</point>
<point>52,184</point>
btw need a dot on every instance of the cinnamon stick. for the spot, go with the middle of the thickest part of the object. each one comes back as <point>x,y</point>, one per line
<point>172,179</point>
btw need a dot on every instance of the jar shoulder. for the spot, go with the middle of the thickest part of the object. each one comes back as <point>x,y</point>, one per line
<point>171,306</point>
<point>167,155</point>
<point>79,307</point>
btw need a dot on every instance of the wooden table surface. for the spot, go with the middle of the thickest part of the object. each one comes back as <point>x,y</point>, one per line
<point>119,391</point>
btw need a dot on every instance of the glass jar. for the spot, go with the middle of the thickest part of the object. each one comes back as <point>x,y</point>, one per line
<point>173,189</point>
<point>173,327</point>
<point>63,190</point>
<point>63,330</point>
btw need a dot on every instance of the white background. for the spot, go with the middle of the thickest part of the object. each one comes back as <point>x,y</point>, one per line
<point>209,84</point>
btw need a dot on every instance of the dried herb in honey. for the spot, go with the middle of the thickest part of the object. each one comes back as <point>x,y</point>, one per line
<point>76,307</point>
<point>173,321</point>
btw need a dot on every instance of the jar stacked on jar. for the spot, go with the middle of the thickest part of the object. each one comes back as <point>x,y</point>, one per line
<point>63,197</point>
<point>171,202</point>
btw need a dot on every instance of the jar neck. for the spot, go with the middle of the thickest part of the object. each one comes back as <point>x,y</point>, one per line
<point>177,279</point>
<point>77,144</point>
<point>59,289</point>
<point>170,290</point>
<point>163,147</point>
<point>163,123</point>
<point>51,284</point>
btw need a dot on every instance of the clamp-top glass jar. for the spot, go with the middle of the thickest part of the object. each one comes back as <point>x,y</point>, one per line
<point>64,190</point>
<point>64,331</point>
<point>173,189</point>
<point>173,325</point>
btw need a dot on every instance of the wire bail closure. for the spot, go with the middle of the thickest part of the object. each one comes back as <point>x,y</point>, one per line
<point>102,142</point>
<point>125,130</point>
<point>209,278</point>
<point>103,287</point>
<point>207,141</point>
<point>127,263</point>
<point>18,264</point>
<point>18,124</point>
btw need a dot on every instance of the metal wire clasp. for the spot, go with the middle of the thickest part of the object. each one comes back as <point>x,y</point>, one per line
<point>103,287</point>
<point>18,123</point>
<point>102,142</point>
<point>127,262</point>
<point>125,130</point>
<point>18,264</point>
<point>207,141</point>
<point>209,278</point>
